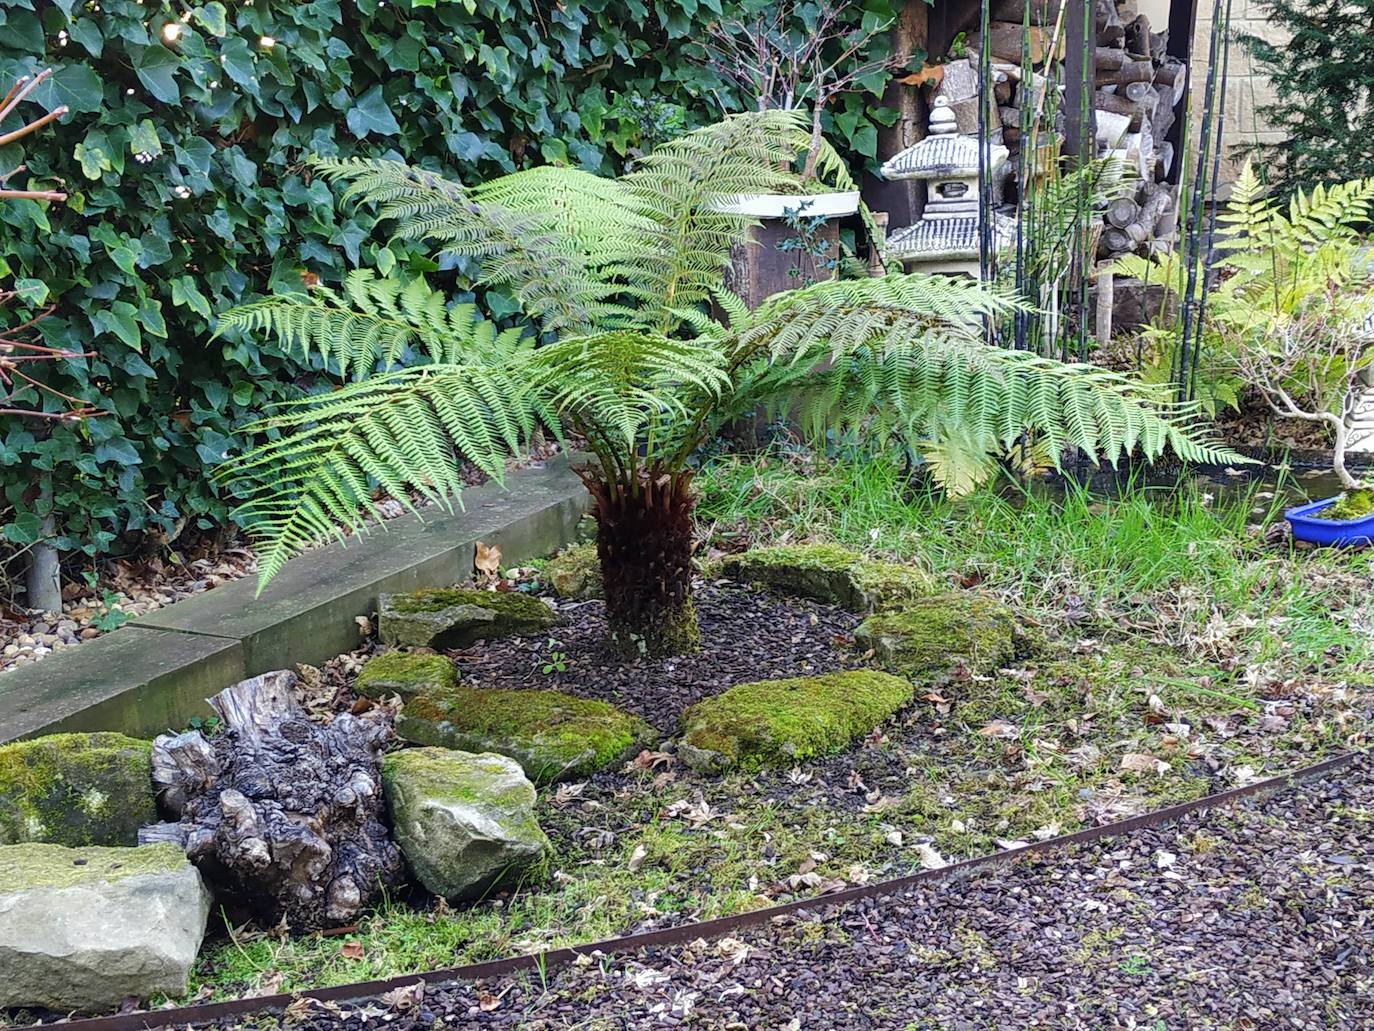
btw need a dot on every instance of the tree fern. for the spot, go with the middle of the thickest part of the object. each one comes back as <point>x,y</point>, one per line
<point>628,276</point>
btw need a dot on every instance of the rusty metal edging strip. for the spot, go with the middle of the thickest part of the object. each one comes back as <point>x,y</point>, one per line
<point>684,933</point>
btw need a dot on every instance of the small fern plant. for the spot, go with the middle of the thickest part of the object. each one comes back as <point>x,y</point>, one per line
<point>1290,312</point>
<point>642,355</point>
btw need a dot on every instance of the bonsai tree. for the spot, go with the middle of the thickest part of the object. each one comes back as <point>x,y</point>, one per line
<point>1291,311</point>
<point>640,355</point>
<point>1300,302</point>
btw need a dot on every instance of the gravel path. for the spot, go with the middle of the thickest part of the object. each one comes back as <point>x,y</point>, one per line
<point>1255,916</point>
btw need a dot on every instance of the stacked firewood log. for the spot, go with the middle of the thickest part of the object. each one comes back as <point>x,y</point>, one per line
<point>1138,88</point>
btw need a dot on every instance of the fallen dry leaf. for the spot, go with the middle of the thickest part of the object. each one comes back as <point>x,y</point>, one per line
<point>1000,729</point>
<point>488,560</point>
<point>1141,762</point>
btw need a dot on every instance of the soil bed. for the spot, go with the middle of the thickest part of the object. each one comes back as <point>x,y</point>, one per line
<point>745,635</point>
<point>1254,915</point>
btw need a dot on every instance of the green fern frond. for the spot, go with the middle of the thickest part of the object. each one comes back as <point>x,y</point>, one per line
<point>528,253</point>
<point>400,434</point>
<point>682,189</point>
<point>370,322</point>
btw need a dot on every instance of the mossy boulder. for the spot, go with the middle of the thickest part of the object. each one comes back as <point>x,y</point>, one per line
<point>464,822</point>
<point>930,637</point>
<point>455,617</point>
<point>830,573</point>
<point>76,789</point>
<point>87,928</point>
<point>553,736</point>
<point>784,722</point>
<point>575,573</point>
<point>404,674</point>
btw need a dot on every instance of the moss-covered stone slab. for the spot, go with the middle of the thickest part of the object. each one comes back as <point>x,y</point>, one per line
<point>76,789</point>
<point>784,722</point>
<point>405,674</point>
<point>575,573</point>
<point>464,822</point>
<point>930,637</point>
<point>455,617</point>
<point>84,929</point>
<point>553,736</point>
<point>832,574</point>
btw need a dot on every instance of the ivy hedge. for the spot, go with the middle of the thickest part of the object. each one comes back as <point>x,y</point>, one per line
<point>182,156</point>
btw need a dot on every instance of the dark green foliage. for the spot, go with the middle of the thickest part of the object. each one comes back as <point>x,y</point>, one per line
<point>1320,58</point>
<point>183,160</point>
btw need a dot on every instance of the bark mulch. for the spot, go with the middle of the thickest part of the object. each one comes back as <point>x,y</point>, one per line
<point>1253,916</point>
<point>745,635</point>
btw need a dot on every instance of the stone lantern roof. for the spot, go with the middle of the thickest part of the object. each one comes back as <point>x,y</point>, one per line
<point>944,154</point>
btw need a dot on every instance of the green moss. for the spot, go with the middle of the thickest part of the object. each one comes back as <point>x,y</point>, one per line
<point>830,573</point>
<point>1353,504</point>
<point>404,674</point>
<point>931,636</point>
<point>455,617</point>
<point>76,789</point>
<point>550,734</point>
<point>576,573</point>
<point>783,722</point>
<point>436,599</point>
<point>671,632</point>
<point>38,865</point>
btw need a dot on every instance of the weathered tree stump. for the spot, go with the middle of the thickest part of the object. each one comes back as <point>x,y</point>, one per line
<point>283,814</point>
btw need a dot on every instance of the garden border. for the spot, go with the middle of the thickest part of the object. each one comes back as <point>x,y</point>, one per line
<point>689,932</point>
<point>155,673</point>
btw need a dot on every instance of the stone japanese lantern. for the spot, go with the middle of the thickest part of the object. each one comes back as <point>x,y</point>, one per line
<point>946,237</point>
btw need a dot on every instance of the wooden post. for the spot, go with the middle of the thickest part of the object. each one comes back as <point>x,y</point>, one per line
<point>1080,127</point>
<point>1182,20</point>
<point>904,199</point>
<point>1106,287</point>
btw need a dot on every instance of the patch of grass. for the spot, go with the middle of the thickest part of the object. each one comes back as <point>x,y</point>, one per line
<point>1183,655</point>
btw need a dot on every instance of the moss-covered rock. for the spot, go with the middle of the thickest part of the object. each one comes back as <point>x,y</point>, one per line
<point>552,735</point>
<point>783,722</point>
<point>76,789</point>
<point>86,928</point>
<point>575,573</point>
<point>404,674</point>
<point>931,636</point>
<point>832,574</point>
<point>455,617</point>
<point>464,822</point>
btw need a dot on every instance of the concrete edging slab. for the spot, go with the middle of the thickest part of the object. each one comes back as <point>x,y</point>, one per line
<point>155,673</point>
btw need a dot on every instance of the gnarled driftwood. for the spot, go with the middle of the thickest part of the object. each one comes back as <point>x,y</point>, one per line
<point>280,812</point>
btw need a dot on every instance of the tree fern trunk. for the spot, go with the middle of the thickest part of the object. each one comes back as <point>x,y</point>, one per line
<point>644,541</point>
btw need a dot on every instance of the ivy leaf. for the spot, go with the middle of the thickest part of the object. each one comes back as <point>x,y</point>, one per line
<point>370,114</point>
<point>86,32</point>
<point>156,68</point>
<point>75,85</point>
<point>238,60</point>
<point>143,139</point>
<point>117,450</point>
<point>214,17</point>
<point>94,161</point>
<point>31,291</point>
<point>26,528</point>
